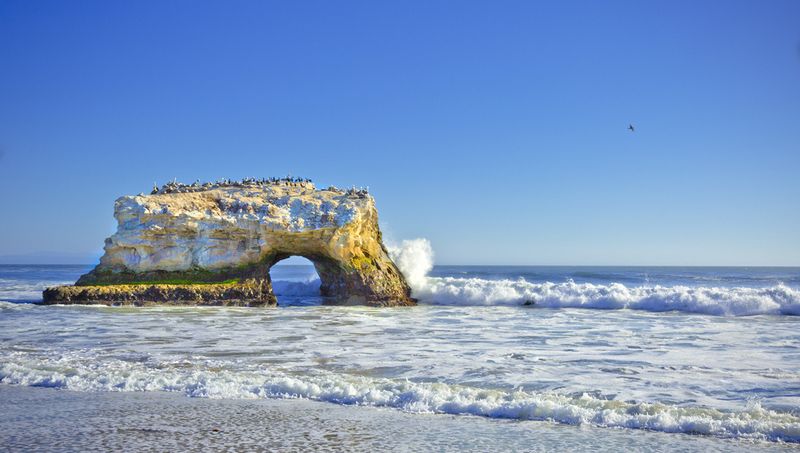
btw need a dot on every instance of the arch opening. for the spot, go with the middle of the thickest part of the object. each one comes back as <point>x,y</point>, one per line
<point>295,281</point>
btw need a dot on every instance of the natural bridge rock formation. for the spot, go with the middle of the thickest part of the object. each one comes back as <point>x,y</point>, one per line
<point>214,244</point>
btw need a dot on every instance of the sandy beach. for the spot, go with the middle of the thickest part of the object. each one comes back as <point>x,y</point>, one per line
<point>42,419</point>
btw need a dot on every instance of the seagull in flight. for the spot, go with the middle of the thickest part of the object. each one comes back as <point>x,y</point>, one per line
<point>630,128</point>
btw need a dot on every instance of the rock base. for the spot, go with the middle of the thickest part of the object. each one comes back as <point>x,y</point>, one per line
<point>251,293</point>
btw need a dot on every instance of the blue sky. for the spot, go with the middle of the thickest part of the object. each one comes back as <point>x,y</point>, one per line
<point>495,129</point>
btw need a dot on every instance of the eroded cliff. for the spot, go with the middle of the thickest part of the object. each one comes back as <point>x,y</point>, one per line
<point>229,235</point>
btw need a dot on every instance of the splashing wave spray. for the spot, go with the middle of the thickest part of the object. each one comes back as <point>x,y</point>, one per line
<point>414,257</point>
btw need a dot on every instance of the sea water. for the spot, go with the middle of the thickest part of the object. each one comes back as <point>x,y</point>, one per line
<point>711,352</point>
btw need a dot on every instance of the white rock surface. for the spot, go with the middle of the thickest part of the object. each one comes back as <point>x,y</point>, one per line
<point>227,226</point>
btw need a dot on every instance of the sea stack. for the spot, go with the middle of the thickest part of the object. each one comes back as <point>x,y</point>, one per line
<point>214,243</point>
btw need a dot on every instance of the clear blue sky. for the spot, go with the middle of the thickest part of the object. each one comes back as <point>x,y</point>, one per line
<point>495,129</point>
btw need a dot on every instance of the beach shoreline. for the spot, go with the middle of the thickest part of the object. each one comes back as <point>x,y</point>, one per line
<point>45,419</point>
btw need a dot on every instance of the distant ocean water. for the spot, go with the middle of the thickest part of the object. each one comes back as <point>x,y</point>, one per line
<point>713,351</point>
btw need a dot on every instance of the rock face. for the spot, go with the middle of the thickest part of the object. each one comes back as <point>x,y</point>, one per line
<point>215,244</point>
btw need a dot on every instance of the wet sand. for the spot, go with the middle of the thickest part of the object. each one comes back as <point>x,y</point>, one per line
<point>43,419</point>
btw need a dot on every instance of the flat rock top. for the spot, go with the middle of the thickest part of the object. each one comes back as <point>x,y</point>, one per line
<point>297,207</point>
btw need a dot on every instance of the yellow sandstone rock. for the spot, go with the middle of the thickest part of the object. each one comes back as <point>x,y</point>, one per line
<point>214,243</point>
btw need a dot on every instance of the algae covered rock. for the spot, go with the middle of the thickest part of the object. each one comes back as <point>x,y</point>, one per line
<point>250,293</point>
<point>194,242</point>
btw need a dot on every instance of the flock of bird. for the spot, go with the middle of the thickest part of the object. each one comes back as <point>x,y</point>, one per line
<point>178,187</point>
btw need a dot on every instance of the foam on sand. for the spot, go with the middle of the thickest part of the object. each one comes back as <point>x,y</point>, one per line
<point>76,371</point>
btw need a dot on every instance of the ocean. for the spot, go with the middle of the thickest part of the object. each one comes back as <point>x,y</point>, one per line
<point>644,358</point>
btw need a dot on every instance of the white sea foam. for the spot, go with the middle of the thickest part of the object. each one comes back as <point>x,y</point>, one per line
<point>738,301</point>
<point>76,371</point>
<point>415,260</point>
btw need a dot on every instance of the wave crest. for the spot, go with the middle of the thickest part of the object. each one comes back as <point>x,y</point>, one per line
<point>214,380</point>
<point>414,258</point>
<point>737,301</point>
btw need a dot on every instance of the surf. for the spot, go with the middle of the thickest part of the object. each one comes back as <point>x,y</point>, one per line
<point>213,379</point>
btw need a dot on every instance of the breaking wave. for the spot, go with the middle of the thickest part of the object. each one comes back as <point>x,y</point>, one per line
<point>415,259</point>
<point>738,301</point>
<point>77,372</point>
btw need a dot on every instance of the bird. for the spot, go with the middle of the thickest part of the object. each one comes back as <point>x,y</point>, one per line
<point>630,127</point>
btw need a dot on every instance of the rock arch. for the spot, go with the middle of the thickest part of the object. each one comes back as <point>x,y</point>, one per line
<point>217,246</point>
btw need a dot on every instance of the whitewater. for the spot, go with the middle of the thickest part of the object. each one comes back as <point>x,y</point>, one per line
<point>700,351</point>
<point>688,288</point>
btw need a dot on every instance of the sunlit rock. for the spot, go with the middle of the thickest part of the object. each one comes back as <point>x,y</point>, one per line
<point>191,243</point>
